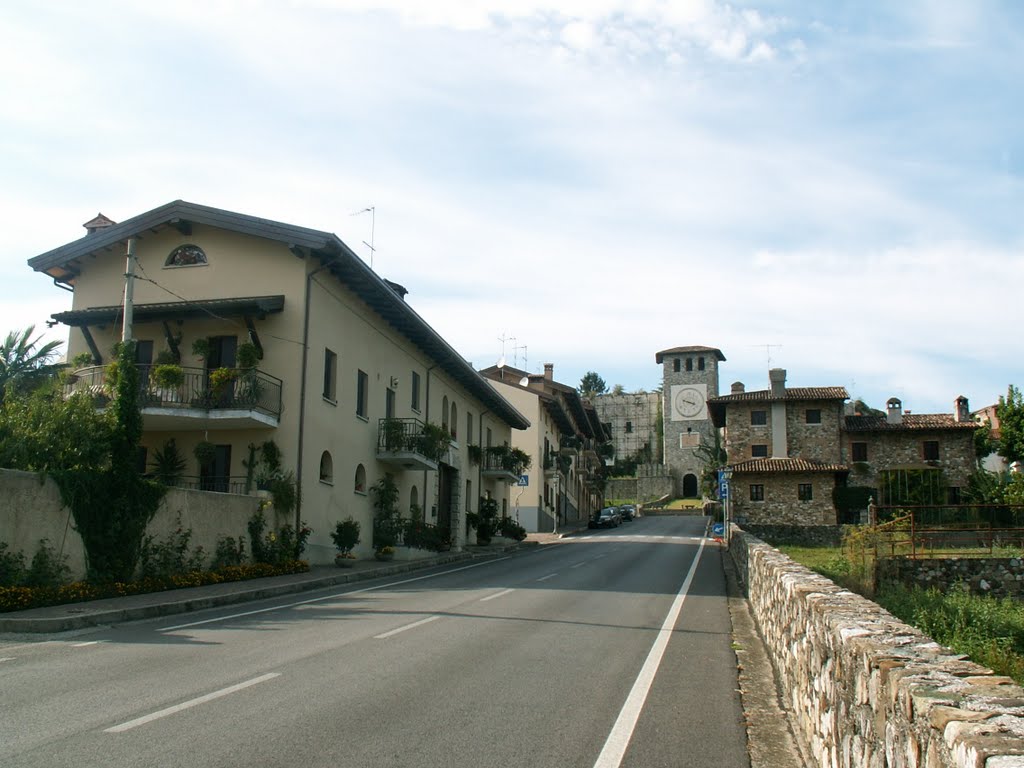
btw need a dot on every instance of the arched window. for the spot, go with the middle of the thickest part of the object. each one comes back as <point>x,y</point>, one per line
<point>360,486</point>
<point>186,256</point>
<point>414,502</point>
<point>444,413</point>
<point>326,468</point>
<point>454,420</point>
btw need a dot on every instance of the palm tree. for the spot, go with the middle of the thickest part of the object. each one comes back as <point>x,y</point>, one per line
<point>23,363</point>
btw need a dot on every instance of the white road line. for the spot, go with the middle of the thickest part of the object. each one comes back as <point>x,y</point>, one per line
<point>415,624</point>
<point>83,645</point>
<point>7,658</point>
<point>579,564</point>
<point>618,740</point>
<point>549,576</point>
<point>329,597</point>
<point>496,595</point>
<point>189,704</point>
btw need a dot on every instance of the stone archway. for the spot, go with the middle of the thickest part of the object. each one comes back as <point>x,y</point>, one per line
<point>690,490</point>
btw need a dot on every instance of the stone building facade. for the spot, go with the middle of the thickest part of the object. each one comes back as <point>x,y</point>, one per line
<point>784,447</point>
<point>690,380</point>
<point>878,448</point>
<point>632,420</point>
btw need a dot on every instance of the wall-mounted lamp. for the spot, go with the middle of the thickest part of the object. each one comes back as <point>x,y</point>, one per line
<point>394,382</point>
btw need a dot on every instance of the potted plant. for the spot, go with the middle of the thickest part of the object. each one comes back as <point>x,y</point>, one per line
<point>385,553</point>
<point>221,379</point>
<point>205,452</point>
<point>345,537</point>
<point>247,355</point>
<point>168,464</point>
<point>476,454</point>
<point>201,348</point>
<point>394,434</point>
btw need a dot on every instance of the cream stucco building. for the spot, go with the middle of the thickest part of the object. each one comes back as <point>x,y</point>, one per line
<point>344,362</point>
<point>564,483</point>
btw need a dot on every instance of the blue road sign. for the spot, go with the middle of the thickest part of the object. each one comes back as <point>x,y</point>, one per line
<point>718,529</point>
<point>524,480</point>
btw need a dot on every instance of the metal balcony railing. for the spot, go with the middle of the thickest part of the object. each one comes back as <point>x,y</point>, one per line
<point>235,388</point>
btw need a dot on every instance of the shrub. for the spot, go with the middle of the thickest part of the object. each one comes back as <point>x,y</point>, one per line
<point>48,568</point>
<point>12,566</point>
<point>171,556</point>
<point>346,535</point>
<point>229,551</point>
<point>276,547</point>
<point>510,529</point>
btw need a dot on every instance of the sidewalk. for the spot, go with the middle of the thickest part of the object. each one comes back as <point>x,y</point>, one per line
<point>114,610</point>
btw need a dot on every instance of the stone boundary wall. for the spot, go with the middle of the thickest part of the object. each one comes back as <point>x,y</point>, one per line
<point>865,690</point>
<point>642,489</point>
<point>31,509</point>
<point>996,576</point>
<point>797,535</point>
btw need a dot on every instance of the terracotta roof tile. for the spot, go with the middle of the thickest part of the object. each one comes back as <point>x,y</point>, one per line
<point>792,393</point>
<point>767,466</point>
<point>910,421</point>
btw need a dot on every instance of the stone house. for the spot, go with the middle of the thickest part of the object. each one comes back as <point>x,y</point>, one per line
<point>346,378</point>
<point>632,420</point>
<point>784,448</point>
<point>561,484</point>
<point>933,452</point>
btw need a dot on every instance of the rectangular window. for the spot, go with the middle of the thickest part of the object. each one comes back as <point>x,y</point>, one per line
<point>757,492</point>
<point>953,494</point>
<point>675,365</point>
<point>759,418</point>
<point>488,443</point>
<point>804,492</point>
<point>469,495</point>
<point>689,363</point>
<point>700,363</point>
<point>469,427</point>
<point>362,394</point>
<point>415,391</point>
<point>389,403</point>
<point>814,416</point>
<point>629,427</point>
<point>930,450</point>
<point>859,451</point>
<point>330,375</point>
<point>759,451</point>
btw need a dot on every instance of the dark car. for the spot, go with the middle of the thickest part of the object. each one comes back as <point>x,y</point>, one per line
<point>627,511</point>
<point>605,518</point>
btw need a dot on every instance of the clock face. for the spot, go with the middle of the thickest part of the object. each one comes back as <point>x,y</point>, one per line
<point>688,403</point>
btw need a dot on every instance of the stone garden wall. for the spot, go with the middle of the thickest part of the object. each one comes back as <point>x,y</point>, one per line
<point>797,535</point>
<point>865,690</point>
<point>997,576</point>
<point>31,509</point>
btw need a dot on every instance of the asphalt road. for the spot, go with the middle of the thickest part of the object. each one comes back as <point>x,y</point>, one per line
<point>603,650</point>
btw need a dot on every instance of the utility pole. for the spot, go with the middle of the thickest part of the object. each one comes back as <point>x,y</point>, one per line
<point>129,290</point>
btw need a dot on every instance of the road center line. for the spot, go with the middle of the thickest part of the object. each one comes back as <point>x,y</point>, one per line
<point>189,704</point>
<point>330,597</point>
<point>7,658</point>
<point>415,624</point>
<point>549,576</point>
<point>579,564</point>
<point>83,645</point>
<point>496,595</point>
<point>618,740</point>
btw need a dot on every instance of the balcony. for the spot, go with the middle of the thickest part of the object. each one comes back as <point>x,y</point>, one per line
<point>226,398</point>
<point>502,463</point>
<point>410,444</point>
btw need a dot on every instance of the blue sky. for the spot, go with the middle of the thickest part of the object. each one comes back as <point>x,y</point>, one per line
<point>839,184</point>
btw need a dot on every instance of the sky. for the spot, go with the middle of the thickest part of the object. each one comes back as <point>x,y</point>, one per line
<point>835,188</point>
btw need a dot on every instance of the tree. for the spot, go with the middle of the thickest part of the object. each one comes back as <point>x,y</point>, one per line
<point>1010,412</point>
<point>592,384</point>
<point>24,364</point>
<point>618,389</point>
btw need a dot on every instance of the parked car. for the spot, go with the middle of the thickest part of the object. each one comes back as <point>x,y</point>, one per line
<point>605,518</point>
<point>627,511</point>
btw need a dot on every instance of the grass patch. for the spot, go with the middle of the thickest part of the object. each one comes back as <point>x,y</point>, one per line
<point>990,630</point>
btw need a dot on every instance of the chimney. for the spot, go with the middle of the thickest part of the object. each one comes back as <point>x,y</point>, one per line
<point>962,411</point>
<point>95,225</point>
<point>894,411</point>
<point>549,371</point>
<point>780,433</point>
<point>398,289</point>
<point>777,376</point>
<point>738,388</point>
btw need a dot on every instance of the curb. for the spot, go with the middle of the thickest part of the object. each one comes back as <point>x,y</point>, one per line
<point>79,615</point>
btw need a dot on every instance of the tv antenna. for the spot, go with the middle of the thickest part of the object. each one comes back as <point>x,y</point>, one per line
<point>768,350</point>
<point>515,357</point>
<point>372,210</point>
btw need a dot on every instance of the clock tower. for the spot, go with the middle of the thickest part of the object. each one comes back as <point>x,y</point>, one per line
<point>690,377</point>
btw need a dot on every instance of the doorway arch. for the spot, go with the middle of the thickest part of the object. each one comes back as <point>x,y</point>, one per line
<point>689,486</point>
